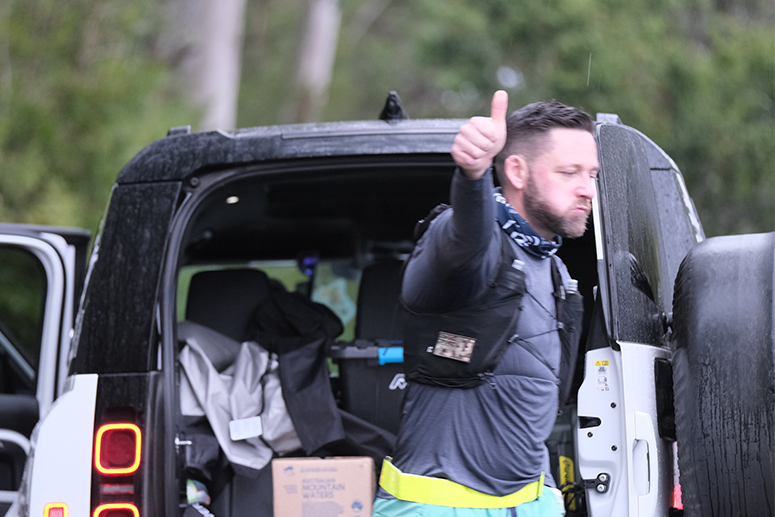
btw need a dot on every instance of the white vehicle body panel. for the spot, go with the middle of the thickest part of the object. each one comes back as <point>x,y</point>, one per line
<point>595,452</point>
<point>59,470</point>
<point>619,389</point>
<point>650,457</point>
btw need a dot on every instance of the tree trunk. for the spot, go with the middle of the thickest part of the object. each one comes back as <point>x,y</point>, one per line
<point>205,43</point>
<point>316,58</point>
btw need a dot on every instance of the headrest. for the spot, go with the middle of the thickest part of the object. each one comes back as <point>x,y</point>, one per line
<point>378,316</point>
<point>224,300</point>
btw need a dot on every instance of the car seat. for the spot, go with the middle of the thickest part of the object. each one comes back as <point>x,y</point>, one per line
<point>371,371</point>
<point>224,300</point>
<point>378,315</point>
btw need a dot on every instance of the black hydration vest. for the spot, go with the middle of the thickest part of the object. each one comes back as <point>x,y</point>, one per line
<point>459,348</point>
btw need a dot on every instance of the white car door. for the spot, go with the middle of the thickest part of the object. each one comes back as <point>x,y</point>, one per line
<point>41,273</point>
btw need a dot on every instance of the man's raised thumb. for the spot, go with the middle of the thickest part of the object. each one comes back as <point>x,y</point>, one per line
<point>500,104</point>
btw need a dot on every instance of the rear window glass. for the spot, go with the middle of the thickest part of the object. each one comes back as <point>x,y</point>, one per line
<point>334,283</point>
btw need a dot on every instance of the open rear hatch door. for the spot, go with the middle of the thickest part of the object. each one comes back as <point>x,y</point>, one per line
<point>645,224</point>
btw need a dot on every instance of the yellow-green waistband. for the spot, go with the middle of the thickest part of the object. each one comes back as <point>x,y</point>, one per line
<point>443,492</point>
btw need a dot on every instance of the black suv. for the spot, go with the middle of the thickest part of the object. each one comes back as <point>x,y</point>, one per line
<point>292,237</point>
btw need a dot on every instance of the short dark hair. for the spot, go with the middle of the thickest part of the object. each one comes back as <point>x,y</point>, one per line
<point>526,127</point>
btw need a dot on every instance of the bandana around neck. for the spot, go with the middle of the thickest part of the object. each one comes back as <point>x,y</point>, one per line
<point>519,230</point>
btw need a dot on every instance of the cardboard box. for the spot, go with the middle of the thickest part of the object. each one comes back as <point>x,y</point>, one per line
<point>331,487</point>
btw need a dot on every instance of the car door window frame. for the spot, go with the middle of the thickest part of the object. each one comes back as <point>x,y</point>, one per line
<point>52,331</point>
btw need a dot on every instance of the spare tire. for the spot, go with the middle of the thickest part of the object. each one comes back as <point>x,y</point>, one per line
<point>724,377</point>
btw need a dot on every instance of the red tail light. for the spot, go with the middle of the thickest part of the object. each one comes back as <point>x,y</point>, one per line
<point>117,451</point>
<point>677,498</point>
<point>116,510</point>
<point>55,510</point>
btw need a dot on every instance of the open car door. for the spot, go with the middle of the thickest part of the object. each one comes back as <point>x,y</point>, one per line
<point>41,276</point>
<point>645,224</point>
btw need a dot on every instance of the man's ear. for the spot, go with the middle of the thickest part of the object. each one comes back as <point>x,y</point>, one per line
<point>515,170</point>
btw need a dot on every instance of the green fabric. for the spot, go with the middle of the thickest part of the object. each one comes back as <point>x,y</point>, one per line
<point>545,506</point>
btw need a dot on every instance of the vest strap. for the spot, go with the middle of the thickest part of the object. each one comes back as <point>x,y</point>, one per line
<point>443,492</point>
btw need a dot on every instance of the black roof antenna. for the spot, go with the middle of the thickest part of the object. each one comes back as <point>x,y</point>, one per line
<point>393,110</point>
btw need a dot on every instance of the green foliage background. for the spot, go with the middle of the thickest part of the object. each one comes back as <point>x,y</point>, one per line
<point>81,91</point>
<point>84,86</point>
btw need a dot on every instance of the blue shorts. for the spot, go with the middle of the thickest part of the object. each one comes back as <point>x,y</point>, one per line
<point>548,505</point>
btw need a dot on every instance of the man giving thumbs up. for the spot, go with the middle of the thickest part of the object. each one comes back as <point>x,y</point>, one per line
<point>486,358</point>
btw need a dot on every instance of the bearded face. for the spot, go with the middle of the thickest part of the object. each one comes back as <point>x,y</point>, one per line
<point>559,184</point>
<point>570,223</point>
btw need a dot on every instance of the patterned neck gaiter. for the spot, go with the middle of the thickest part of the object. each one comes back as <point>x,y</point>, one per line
<point>519,230</point>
